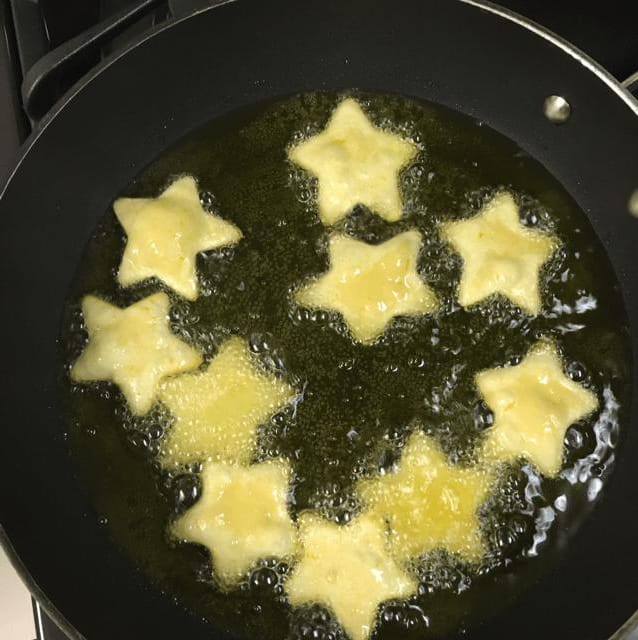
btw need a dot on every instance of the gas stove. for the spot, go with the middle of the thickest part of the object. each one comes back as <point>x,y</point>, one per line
<point>32,28</point>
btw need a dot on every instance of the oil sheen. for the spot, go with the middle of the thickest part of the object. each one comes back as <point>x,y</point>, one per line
<point>359,402</point>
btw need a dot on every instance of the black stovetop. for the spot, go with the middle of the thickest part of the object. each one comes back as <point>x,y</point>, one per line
<point>607,31</point>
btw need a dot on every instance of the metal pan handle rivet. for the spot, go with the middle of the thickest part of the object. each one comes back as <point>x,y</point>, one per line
<point>557,109</point>
<point>633,203</point>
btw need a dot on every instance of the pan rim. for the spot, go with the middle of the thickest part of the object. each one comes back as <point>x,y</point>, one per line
<point>42,125</point>
<point>482,5</point>
<point>34,589</point>
<point>558,41</point>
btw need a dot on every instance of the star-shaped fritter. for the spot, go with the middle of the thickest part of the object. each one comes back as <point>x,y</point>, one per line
<point>371,284</point>
<point>500,255</point>
<point>240,517</point>
<point>355,163</point>
<point>348,569</point>
<point>429,503</point>
<point>217,411</point>
<point>132,347</point>
<point>534,403</point>
<point>165,234</point>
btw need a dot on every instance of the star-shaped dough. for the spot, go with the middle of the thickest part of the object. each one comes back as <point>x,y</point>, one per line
<point>429,503</point>
<point>500,255</point>
<point>132,347</point>
<point>534,403</point>
<point>355,163</point>
<point>217,411</point>
<point>240,517</point>
<point>348,569</point>
<point>371,284</point>
<point>165,234</point>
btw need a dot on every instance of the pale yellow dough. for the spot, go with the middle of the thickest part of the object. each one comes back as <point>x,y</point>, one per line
<point>534,403</point>
<point>500,255</point>
<point>429,503</point>
<point>132,347</point>
<point>217,411</point>
<point>355,163</point>
<point>165,234</point>
<point>348,569</point>
<point>242,516</point>
<point>371,284</point>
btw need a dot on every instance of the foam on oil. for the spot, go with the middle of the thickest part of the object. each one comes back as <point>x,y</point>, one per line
<point>356,405</point>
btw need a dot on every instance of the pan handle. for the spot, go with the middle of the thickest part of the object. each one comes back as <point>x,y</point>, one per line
<point>631,84</point>
<point>40,82</point>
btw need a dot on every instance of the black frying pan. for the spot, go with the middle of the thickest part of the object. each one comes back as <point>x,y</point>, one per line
<point>483,62</point>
